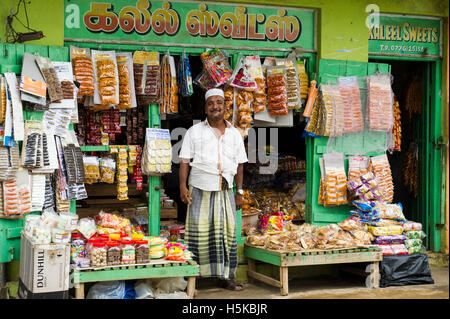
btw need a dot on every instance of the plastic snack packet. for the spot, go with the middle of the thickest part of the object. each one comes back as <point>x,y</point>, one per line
<point>107,79</point>
<point>276,90</point>
<point>379,115</point>
<point>217,66</point>
<point>127,96</point>
<point>349,91</point>
<point>83,70</point>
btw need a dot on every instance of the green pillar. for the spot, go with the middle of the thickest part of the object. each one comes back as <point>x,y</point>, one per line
<point>154,182</point>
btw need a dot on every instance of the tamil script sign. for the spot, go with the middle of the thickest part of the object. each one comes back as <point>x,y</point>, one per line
<point>405,35</point>
<point>190,23</point>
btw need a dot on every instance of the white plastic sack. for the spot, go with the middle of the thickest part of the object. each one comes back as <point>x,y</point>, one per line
<point>170,285</point>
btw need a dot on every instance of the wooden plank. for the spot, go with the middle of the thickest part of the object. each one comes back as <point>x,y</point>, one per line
<point>284,277</point>
<point>79,291</point>
<point>190,289</point>
<point>266,279</point>
<point>129,274</point>
<point>333,259</point>
<point>262,255</point>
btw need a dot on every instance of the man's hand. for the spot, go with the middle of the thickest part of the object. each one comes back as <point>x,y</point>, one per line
<point>185,195</point>
<point>239,201</point>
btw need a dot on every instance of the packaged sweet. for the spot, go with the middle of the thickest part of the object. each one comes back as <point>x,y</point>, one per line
<point>379,222</point>
<point>386,230</point>
<point>415,249</point>
<point>47,69</point>
<point>107,78</point>
<point>386,250</point>
<point>389,211</point>
<point>60,236</point>
<point>67,221</point>
<point>350,223</point>
<point>169,87</point>
<point>382,171</point>
<point>362,237</point>
<point>335,180</point>
<point>184,76</point>
<point>413,243</point>
<point>292,84</point>
<point>147,77</point>
<point>379,114</point>
<point>410,225</point>
<point>303,79</point>
<point>31,222</point>
<point>157,153</point>
<point>415,234</point>
<point>388,240</point>
<point>87,227</point>
<point>217,66</point>
<point>175,251</point>
<point>127,92</point>
<point>276,90</point>
<point>204,80</point>
<point>42,235</point>
<point>241,78</point>
<point>399,249</point>
<point>83,70</point>
<point>107,169</point>
<point>91,169</point>
<point>49,219</point>
<point>350,93</point>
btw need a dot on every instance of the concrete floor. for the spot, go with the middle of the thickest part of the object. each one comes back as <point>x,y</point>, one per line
<point>327,287</point>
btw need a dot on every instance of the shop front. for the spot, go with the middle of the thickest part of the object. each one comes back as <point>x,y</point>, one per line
<point>292,152</point>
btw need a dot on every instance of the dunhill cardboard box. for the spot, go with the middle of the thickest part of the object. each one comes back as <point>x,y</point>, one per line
<point>44,270</point>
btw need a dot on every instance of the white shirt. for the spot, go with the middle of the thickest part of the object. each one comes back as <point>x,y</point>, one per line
<point>212,155</point>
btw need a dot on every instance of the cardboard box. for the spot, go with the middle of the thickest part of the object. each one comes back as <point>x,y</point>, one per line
<point>44,269</point>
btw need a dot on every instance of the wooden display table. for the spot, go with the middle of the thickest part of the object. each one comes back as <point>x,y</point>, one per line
<point>158,268</point>
<point>285,259</point>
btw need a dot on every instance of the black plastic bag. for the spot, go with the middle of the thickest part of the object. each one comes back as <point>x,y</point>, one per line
<point>402,270</point>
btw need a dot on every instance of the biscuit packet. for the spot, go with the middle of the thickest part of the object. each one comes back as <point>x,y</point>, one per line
<point>335,182</point>
<point>83,70</point>
<point>106,76</point>
<point>107,169</point>
<point>351,97</point>
<point>127,92</point>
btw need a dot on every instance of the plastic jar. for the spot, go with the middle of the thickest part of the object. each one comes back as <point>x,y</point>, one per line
<point>90,244</point>
<point>113,253</point>
<point>98,254</point>
<point>77,247</point>
<point>128,252</point>
<point>142,251</point>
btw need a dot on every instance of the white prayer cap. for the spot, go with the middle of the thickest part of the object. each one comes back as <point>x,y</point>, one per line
<point>213,92</point>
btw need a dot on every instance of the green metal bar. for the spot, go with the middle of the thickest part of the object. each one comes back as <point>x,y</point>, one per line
<point>154,182</point>
<point>136,273</point>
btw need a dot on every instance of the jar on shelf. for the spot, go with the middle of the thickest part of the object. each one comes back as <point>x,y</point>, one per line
<point>128,252</point>
<point>113,253</point>
<point>98,254</point>
<point>142,251</point>
<point>90,244</point>
<point>77,247</point>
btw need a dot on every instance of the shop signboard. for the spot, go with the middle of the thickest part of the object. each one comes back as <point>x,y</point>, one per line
<point>190,24</point>
<point>403,35</point>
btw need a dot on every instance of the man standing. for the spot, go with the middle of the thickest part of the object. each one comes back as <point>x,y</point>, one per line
<point>212,154</point>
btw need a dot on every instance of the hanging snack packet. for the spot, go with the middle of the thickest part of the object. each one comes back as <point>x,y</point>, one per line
<point>335,186</point>
<point>107,79</point>
<point>256,72</point>
<point>217,66</point>
<point>32,149</point>
<point>91,169</point>
<point>357,166</point>
<point>241,78</point>
<point>51,78</point>
<point>229,102</point>
<point>185,76</point>
<point>349,89</point>
<point>292,85</point>
<point>147,77</point>
<point>382,171</point>
<point>169,103</point>
<point>2,99</point>
<point>107,170</point>
<point>242,117</point>
<point>127,92</point>
<point>338,111</point>
<point>276,90</point>
<point>327,110</point>
<point>379,113</point>
<point>204,81</point>
<point>83,70</point>
<point>122,173</point>
<point>157,154</point>
<point>303,79</point>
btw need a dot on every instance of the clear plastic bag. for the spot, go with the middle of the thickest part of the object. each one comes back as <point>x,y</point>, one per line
<point>87,227</point>
<point>107,290</point>
<point>107,169</point>
<point>351,98</point>
<point>379,114</point>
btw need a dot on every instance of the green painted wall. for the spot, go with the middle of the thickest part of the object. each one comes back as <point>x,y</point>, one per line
<point>44,15</point>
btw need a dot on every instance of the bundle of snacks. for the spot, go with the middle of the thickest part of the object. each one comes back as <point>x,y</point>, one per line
<point>312,98</point>
<point>357,167</point>
<point>229,101</point>
<point>51,78</point>
<point>169,90</point>
<point>326,110</point>
<point>157,153</point>
<point>83,70</point>
<point>184,76</point>
<point>388,240</point>
<point>73,160</point>
<point>91,169</point>
<point>276,90</point>
<point>2,99</point>
<point>379,103</point>
<point>32,152</point>
<point>216,65</point>
<point>349,89</point>
<point>9,162</point>
<point>292,85</point>
<point>386,230</point>
<point>334,180</point>
<point>256,72</point>
<point>382,171</point>
<point>338,111</point>
<point>107,79</point>
<point>303,79</point>
<point>127,95</point>
<point>388,211</point>
<point>411,225</point>
<point>147,77</point>
<point>243,111</point>
<point>362,186</point>
<point>397,128</point>
<point>122,172</point>
<point>204,80</point>
<point>107,169</point>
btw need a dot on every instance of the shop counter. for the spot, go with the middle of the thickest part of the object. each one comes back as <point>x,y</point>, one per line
<point>286,259</point>
<point>158,268</point>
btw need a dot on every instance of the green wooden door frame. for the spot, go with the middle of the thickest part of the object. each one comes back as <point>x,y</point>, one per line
<point>430,204</point>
